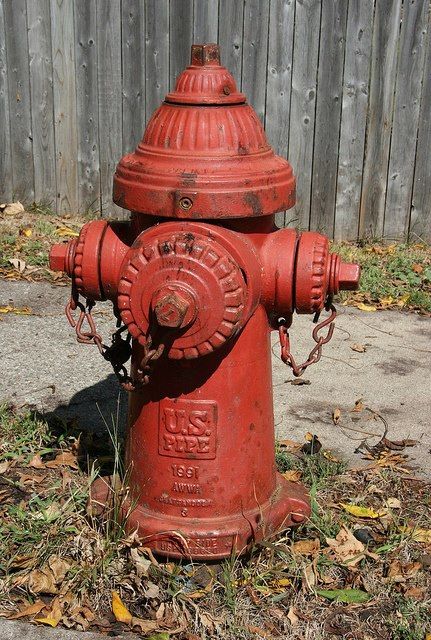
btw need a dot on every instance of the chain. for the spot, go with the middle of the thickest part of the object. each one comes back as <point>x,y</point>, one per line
<point>120,350</point>
<point>316,352</point>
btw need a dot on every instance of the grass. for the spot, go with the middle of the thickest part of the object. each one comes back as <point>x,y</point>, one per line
<point>28,235</point>
<point>46,530</point>
<point>393,276</point>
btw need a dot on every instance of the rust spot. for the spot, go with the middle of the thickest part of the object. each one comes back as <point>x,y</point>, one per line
<point>189,179</point>
<point>242,150</point>
<point>252,426</point>
<point>166,247</point>
<point>253,201</point>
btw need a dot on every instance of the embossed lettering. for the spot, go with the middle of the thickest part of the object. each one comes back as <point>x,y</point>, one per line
<point>187,429</point>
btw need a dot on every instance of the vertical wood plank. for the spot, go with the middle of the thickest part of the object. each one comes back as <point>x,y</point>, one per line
<point>180,37</point>
<point>353,118</point>
<point>279,79</point>
<point>205,21</point>
<point>255,54</point>
<point>42,100</point>
<point>380,109</point>
<point>231,18</point>
<point>328,115</point>
<point>87,106</point>
<point>405,121</point>
<point>110,101</point>
<point>5,155</point>
<point>303,103</point>
<point>420,223</point>
<point>133,66</point>
<point>157,53</point>
<point>66,138</point>
<point>15,15</point>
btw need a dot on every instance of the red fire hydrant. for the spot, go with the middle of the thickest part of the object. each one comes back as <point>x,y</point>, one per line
<point>198,279</point>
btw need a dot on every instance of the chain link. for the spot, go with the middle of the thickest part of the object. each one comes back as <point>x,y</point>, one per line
<point>316,352</point>
<point>120,350</point>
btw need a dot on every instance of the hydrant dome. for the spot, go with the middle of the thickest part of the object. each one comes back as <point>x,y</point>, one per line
<point>204,153</point>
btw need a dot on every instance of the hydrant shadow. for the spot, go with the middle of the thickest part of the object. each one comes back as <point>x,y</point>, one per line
<point>97,414</point>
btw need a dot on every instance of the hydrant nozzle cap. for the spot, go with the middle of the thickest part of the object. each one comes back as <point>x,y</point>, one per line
<point>62,256</point>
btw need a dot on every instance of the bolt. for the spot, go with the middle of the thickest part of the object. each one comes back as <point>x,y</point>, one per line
<point>171,307</point>
<point>186,203</point>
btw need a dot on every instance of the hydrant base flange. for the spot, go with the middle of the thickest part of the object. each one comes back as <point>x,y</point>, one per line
<point>211,538</point>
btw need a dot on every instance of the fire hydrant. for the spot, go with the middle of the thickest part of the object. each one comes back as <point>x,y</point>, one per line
<point>198,279</point>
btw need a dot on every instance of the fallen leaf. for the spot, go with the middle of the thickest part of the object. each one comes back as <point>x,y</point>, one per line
<point>121,613</point>
<point>65,458</point>
<point>297,382</point>
<point>142,564</point>
<point>27,232</point>
<point>359,406</point>
<point>417,534</point>
<point>66,232</point>
<point>336,415</point>
<point>344,595</point>
<point>310,576</point>
<point>365,307</point>
<point>293,475</point>
<point>152,591</point>
<point>36,462</point>
<point>59,568</point>
<point>30,610</point>
<point>18,311</point>
<point>360,348</point>
<point>306,547</point>
<point>4,466</point>
<point>417,268</point>
<point>346,548</point>
<point>393,503</point>
<point>330,456</point>
<point>312,446</point>
<point>259,631</point>
<point>18,264</point>
<point>52,622</point>
<point>145,626</point>
<point>42,581</point>
<point>12,208</point>
<point>292,617</point>
<point>416,593</point>
<point>362,512</point>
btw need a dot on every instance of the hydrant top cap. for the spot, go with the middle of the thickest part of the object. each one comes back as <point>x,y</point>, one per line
<point>205,81</point>
<point>204,153</point>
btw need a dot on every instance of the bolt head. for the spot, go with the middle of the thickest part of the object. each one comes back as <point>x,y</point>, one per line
<point>171,307</point>
<point>205,54</point>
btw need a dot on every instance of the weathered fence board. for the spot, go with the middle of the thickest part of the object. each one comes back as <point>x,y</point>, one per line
<point>42,99</point>
<point>328,110</point>
<point>341,86</point>
<point>19,99</point>
<point>303,104</point>
<point>353,118</point>
<point>405,121</point>
<point>110,98</point>
<point>5,155</point>
<point>380,109</point>
<point>157,53</point>
<point>133,71</point>
<point>87,105</point>
<point>66,132</point>
<point>420,223</point>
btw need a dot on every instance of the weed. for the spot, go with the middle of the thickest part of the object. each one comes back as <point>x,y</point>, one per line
<point>412,619</point>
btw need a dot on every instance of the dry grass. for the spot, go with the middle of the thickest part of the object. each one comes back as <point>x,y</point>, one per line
<point>65,562</point>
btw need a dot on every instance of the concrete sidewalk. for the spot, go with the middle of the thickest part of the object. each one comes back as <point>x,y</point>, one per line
<point>43,366</point>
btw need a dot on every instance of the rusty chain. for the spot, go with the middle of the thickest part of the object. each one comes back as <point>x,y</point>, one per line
<point>316,352</point>
<point>120,350</point>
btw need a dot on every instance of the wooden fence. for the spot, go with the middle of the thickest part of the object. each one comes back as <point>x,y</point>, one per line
<point>343,88</point>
